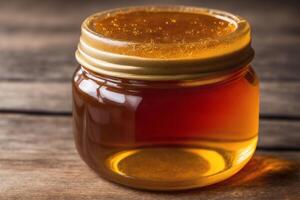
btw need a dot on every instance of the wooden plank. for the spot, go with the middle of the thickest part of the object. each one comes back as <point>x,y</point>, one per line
<point>53,59</point>
<point>27,96</point>
<point>279,134</point>
<point>51,13</point>
<point>281,99</point>
<point>40,43</point>
<point>41,163</point>
<point>60,129</point>
<point>265,177</point>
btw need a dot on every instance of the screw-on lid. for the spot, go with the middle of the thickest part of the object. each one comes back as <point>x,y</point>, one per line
<point>164,43</point>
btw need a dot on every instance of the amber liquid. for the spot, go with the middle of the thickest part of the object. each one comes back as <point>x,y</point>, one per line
<point>165,136</point>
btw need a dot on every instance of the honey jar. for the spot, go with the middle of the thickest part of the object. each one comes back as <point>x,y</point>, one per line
<point>165,97</point>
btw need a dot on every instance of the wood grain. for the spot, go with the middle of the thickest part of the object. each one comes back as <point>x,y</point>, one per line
<point>38,177</point>
<point>280,99</point>
<point>42,163</point>
<point>18,129</point>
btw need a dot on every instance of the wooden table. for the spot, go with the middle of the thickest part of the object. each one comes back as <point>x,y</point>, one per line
<point>37,155</point>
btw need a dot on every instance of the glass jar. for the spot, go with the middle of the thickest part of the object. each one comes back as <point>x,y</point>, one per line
<point>164,97</point>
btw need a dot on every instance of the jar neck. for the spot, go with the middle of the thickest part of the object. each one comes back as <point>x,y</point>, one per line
<point>220,78</point>
<point>179,54</point>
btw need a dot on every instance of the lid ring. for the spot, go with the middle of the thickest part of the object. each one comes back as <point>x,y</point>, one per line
<point>237,52</point>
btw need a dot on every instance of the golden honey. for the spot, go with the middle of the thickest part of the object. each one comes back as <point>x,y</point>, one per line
<point>164,98</point>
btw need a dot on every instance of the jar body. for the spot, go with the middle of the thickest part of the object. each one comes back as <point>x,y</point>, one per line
<point>166,136</point>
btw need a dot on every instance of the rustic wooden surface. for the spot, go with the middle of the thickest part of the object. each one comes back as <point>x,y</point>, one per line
<point>37,155</point>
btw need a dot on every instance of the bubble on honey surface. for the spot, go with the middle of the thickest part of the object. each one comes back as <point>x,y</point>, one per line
<point>149,32</point>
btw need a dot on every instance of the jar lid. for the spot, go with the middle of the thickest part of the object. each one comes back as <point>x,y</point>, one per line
<point>164,43</point>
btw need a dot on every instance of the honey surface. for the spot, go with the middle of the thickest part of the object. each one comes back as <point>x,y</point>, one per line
<point>161,27</point>
<point>160,33</point>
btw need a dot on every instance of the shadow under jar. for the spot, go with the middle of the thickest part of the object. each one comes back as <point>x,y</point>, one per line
<point>164,97</point>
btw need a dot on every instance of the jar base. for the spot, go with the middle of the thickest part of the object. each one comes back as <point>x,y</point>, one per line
<point>169,168</point>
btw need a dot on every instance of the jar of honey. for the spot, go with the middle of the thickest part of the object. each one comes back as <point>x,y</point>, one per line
<point>165,97</point>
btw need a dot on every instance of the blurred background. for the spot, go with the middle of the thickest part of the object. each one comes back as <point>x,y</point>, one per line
<point>38,40</point>
<point>44,34</point>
